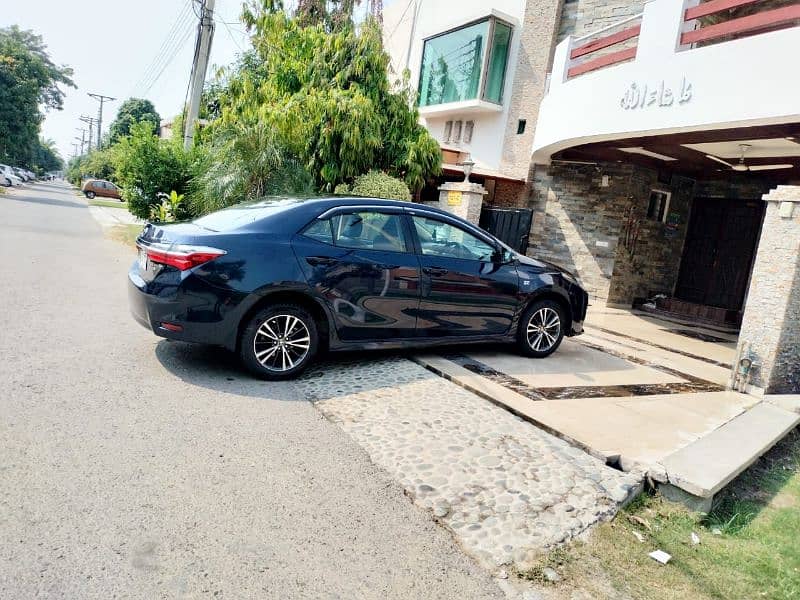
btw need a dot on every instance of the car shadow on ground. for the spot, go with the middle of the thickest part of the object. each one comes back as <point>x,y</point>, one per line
<point>218,369</point>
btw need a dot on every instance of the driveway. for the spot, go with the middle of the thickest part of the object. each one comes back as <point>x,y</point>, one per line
<point>137,468</point>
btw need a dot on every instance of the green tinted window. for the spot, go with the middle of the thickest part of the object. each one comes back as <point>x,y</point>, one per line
<point>498,59</point>
<point>451,65</point>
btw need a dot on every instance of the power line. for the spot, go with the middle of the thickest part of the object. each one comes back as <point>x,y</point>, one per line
<point>166,59</point>
<point>182,20</point>
<point>175,51</point>
<point>230,34</point>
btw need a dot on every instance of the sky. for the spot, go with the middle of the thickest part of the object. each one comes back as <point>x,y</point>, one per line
<point>112,46</point>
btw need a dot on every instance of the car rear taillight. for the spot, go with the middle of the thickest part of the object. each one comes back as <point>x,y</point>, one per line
<point>181,256</point>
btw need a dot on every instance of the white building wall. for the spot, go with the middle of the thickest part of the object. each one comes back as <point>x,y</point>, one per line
<point>737,83</point>
<point>437,16</point>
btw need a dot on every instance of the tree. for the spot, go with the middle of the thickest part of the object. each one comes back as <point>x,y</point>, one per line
<point>333,15</point>
<point>146,166</point>
<point>29,83</point>
<point>327,96</point>
<point>133,110</point>
<point>46,157</point>
<point>98,164</point>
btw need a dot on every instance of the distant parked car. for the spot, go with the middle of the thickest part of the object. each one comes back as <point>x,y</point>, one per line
<point>8,177</point>
<point>22,174</point>
<point>100,187</point>
<point>278,280</point>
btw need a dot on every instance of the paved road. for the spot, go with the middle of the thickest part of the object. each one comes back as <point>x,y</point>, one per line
<point>134,467</point>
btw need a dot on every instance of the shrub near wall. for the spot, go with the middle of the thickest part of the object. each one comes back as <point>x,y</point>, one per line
<point>375,184</point>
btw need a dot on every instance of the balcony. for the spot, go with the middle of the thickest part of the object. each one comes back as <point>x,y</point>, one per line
<point>676,67</point>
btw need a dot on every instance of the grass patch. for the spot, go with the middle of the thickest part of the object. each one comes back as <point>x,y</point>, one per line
<point>749,545</point>
<point>125,234</point>
<point>557,560</point>
<point>108,203</point>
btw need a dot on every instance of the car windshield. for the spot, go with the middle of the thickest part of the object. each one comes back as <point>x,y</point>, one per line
<point>244,214</point>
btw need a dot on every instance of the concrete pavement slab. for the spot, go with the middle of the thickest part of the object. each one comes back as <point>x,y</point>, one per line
<point>708,464</point>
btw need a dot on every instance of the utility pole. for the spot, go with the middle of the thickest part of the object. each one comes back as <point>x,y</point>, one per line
<point>205,34</point>
<point>376,10</point>
<point>83,136</point>
<point>89,121</point>
<point>417,6</point>
<point>75,149</point>
<point>102,99</point>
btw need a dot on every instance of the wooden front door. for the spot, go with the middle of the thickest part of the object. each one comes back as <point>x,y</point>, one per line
<point>719,250</point>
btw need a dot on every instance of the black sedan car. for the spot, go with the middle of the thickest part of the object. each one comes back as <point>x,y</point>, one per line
<point>279,280</point>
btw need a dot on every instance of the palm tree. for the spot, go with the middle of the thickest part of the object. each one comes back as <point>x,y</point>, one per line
<point>245,162</point>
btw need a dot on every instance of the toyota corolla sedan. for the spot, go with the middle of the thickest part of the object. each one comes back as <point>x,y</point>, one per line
<point>279,280</point>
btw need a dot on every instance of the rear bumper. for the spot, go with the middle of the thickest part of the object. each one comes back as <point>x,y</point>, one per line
<point>171,305</point>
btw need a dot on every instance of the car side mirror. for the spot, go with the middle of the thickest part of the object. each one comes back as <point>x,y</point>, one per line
<point>501,257</point>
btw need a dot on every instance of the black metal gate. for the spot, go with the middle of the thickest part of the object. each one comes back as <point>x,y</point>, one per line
<point>511,225</point>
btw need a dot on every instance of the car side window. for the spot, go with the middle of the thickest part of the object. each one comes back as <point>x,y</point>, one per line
<point>369,230</point>
<point>438,238</point>
<point>320,230</point>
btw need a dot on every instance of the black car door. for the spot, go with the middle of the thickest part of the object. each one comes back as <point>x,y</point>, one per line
<point>464,291</point>
<point>361,261</point>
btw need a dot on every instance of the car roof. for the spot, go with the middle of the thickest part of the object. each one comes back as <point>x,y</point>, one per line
<point>281,214</point>
<point>328,202</point>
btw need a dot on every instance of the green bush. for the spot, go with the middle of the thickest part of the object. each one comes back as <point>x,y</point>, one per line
<point>147,166</point>
<point>375,184</point>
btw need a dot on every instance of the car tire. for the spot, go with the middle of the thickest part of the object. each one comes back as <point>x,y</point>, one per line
<point>90,195</point>
<point>279,342</point>
<point>6,182</point>
<point>541,329</point>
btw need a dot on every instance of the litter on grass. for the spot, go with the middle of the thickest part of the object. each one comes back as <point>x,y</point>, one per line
<point>660,556</point>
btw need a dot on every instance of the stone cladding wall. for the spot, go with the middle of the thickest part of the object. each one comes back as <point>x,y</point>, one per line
<point>771,324</point>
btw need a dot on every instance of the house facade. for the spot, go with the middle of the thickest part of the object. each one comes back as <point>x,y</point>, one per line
<point>656,143</point>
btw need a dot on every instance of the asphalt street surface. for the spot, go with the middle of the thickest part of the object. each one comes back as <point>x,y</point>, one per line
<point>133,467</point>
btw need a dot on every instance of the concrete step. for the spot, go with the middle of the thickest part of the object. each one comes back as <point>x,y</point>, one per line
<point>696,473</point>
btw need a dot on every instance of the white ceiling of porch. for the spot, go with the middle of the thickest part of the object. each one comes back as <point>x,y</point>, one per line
<point>760,148</point>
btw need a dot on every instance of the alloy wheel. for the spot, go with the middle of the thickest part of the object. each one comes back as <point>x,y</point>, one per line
<point>543,329</point>
<point>281,343</point>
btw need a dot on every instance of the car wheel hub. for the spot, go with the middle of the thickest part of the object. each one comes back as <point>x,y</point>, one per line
<point>281,343</point>
<point>543,329</point>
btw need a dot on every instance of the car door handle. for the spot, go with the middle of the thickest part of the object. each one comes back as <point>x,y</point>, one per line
<point>316,261</point>
<point>435,271</point>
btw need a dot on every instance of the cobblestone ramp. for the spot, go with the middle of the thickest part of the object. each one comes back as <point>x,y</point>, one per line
<point>506,489</point>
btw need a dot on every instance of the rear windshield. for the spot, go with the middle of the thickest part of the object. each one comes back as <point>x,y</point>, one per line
<point>244,214</point>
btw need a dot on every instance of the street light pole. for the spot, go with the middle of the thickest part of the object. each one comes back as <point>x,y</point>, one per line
<point>205,34</point>
<point>101,98</point>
